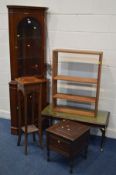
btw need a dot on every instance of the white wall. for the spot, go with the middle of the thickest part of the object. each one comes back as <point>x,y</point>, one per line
<point>76,24</point>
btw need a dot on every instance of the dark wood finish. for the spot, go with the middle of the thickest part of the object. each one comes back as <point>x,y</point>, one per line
<point>26,7</point>
<point>13,106</point>
<point>16,16</point>
<point>100,121</point>
<point>27,39</point>
<point>27,85</point>
<point>68,138</point>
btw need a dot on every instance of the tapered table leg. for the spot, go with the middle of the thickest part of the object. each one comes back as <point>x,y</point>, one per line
<point>25,114</point>
<point>103,130</point>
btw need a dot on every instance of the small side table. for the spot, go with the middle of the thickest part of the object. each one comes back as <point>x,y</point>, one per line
<point>68,138</point>
<point>27,85</point>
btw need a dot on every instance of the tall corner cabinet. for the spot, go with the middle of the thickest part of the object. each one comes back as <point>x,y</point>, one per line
<point>27,39</point>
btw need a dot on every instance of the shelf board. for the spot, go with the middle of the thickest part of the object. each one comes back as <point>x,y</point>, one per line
<point>30,129</point>
<point>75,87</point>
<point>77,111</point>
<point>87,52</point>
<point>76,79</point>
<point>80,60</point>
<point>77,98</point>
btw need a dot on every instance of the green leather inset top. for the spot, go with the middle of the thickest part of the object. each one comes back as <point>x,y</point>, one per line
<point>101,119</point>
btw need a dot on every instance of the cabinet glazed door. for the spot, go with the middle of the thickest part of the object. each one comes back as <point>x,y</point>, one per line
<point>29,39</point>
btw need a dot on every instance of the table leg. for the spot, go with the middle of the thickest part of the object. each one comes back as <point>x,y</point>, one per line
<point>85,152</point>
<point>71,163</point>
<point>48,150</point>
<point>40,134</point>
<point>48,154</point>
<point>34,138</point>
<point>50,121</point>
<point>103,130</point>
<point>33,113</point>
<point>19,120</point>
<point>40,131</point>
<point>19,138</point>
<point>25,114</point>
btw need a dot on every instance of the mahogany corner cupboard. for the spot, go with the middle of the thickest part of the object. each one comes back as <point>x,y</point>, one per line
<point>27,39</point>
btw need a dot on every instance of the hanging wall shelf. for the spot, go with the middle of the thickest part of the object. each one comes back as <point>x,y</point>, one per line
<point>82,99</point>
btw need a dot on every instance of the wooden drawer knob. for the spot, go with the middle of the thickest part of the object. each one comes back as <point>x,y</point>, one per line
<point>59,141</point>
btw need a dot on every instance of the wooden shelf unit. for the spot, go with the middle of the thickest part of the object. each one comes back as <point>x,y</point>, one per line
<point>83,80</point>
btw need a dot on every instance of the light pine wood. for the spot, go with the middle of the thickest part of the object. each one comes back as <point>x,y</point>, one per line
<point>84,80</point>
<point>79,60</point>
<point>76,98</point>
<point>75,111</point>
<point>87,52</point>
<point>76,79</point>
<point>75,87</point>
<point>98,83</point>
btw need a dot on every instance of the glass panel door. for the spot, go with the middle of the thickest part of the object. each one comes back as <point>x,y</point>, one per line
<point>28,46</point>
